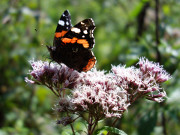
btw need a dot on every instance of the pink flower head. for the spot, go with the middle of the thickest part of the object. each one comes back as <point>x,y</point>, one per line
<point>127,78</point>
<point>53,75</point>
<point>154,69</point>
<point>98,92</point>
<point>144,81</point>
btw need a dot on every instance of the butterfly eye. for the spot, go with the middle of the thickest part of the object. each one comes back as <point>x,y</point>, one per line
<point>75,50</point>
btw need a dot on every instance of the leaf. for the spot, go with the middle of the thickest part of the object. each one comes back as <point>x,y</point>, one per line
<point>110,129</point>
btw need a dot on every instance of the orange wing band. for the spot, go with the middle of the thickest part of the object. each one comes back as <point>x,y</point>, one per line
<point>84,42</point>
<point>90,64</point>
<point>69,40</point>
<point>74,40</point>
<point>66,40</point>
<point>60,34</point>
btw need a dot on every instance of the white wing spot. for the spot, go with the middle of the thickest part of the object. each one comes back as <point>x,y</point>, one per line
<point>92,35</point>
<point>76,30</point>
<point>83,36</point>
<point>85,32</point>
<point>67,23</point>
<point>61,22</point>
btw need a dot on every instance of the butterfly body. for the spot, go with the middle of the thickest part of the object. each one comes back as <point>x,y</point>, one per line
<point>72,45</point>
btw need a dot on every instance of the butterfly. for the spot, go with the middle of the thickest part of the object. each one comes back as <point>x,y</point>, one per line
<point>73,45</point>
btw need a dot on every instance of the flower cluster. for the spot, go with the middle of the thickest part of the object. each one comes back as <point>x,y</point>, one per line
<point>98,93</point>
<point>54,76</point>
<point>154,70</point>
<point>143,81</point>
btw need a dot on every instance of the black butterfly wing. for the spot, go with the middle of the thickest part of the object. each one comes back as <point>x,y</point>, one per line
<point>72,45</point>
<point>78,42</point>
<point>82,33</point>
<point>63,26</point>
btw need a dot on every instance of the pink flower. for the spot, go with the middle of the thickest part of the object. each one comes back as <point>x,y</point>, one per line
<point>153,69</point>
<point>144,81</point>
<point>98,92</point>
<point>127,78</point>
<point>29,81</point>
<point>54,76</point>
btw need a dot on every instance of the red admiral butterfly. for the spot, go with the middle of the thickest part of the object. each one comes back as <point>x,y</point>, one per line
<point>72,45</point>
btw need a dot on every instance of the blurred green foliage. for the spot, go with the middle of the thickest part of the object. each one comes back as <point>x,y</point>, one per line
<point>123,34</point>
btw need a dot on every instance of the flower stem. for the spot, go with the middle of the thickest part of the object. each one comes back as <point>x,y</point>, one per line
<point>51,88</point>
<point>71,125</point>
<point>72,129</point>
<point>90,124</point>
<point>94,126</point>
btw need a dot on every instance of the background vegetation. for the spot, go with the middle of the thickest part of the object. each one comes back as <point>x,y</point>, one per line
<point>125,31</point>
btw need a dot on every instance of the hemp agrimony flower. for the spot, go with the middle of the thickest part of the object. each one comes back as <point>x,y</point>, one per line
<point>98,93</point>
<point>54,76</point>
<point>143,81</point>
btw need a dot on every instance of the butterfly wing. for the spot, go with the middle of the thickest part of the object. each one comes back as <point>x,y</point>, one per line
<point>79,41</point>
<point>81,33</point>
<point>63,26</point>
<point>72,45</point>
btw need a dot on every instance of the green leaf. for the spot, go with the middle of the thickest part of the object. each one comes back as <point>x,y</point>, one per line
<point>110,129</point>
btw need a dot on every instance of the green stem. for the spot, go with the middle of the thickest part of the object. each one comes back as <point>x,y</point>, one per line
<point>71,125</point>
<point>51,88</point>
<point>94,126</point>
